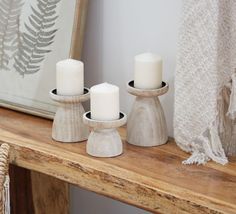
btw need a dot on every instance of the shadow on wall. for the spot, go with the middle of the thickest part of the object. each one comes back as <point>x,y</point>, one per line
<point>94,29</point>
<point>94,26</point>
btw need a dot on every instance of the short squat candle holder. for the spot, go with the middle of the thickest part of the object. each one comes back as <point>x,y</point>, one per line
<point>146,124</point>
<point>68,123</point>
<point>104,140</point>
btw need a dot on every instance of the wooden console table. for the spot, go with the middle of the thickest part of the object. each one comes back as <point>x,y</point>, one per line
<point>150,178</point>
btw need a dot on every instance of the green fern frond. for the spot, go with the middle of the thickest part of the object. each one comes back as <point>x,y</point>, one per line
<point>9,30</point>
<point>37,38</point>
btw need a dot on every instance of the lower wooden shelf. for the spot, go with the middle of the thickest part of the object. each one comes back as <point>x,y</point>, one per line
<point>150,178</point>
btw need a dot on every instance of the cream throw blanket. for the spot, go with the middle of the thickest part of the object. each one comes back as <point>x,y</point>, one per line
<point>205,83</point>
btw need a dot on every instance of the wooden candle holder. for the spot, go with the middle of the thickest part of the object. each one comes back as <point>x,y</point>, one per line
<point>104,140</point>
<point>146,124</point>
<point>68,123</point>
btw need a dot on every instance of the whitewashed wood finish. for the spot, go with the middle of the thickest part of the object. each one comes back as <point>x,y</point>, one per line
<point>68,124</point>
<point>146,123</point>
<point>147,93</point>
<point>104,140</point>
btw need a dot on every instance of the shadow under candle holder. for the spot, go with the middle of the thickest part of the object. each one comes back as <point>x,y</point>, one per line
<point>68,123</point>
<point>146,124</point>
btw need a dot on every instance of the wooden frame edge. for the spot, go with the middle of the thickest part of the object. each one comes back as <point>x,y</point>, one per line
<point>78,29</point>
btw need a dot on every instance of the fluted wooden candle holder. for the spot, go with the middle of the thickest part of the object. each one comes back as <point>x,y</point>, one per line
<point>146,124</point>
<point>104,140</point>
<point>68,123</point>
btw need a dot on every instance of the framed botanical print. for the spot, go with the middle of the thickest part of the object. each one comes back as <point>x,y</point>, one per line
<point>34,36</point>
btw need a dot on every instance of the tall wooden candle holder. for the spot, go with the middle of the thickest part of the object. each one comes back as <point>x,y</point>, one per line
<point>104,140</point>
<point>146,124</point>
<point>68,123</point>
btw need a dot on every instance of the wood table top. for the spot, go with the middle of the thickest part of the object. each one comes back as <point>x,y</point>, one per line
<point>150,178</point>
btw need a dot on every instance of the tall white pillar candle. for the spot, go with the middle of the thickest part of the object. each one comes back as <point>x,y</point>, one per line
<point>70,77</point>
<point>147,71</point>
<point>104,102</point>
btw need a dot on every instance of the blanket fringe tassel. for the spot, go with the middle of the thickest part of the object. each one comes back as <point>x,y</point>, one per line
<point>211,143</point>
<point>212,149</point>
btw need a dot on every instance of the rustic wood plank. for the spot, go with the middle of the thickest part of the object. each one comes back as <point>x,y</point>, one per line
<point>36,193</point>
<point>150,178</point>
<point>50,195</point>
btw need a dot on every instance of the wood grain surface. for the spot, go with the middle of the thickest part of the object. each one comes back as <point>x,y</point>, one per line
<point>104,139</point>
<point>78,29</point>
<point>68,123</point>
<point>151,178</point>
<point>146,124</point>
<point>50,195</point>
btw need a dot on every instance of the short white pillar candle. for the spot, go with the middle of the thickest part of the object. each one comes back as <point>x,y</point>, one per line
<point>147,71</point>
<point>70,77</point>
<point>104,102</point>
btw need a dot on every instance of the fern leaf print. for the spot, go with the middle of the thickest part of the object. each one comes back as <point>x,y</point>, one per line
<point>39,34</point>
<point>9,30</point>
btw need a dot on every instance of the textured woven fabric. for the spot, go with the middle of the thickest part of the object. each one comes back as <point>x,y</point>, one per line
<point>205,82</point>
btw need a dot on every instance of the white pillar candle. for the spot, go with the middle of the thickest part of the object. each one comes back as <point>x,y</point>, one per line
<point>148,71</point>
<point>70,77</point>
<point>104,102</point>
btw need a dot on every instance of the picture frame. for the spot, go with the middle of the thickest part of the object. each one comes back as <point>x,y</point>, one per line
<point>75,48</point>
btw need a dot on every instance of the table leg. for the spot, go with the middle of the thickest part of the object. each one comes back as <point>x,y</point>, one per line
<point>36,193</point>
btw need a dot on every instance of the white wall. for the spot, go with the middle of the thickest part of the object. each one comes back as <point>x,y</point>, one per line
<point>116,31</point>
